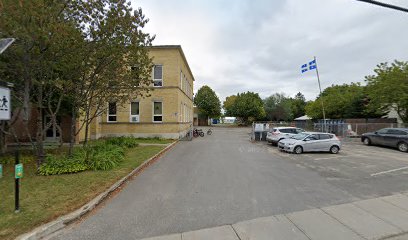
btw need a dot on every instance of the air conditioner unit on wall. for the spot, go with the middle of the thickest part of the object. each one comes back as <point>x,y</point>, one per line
<point>134,118</point>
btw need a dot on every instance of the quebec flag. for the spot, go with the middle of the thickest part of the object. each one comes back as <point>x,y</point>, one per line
<point>304,68</point>
<point>312,65</point>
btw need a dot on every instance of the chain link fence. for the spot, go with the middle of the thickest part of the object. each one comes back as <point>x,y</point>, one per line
<point>343,130</point>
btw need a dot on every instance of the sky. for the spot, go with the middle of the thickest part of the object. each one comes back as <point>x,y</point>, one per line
<point>259,45</point>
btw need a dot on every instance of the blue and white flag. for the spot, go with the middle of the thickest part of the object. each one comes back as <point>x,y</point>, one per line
<point>304,68</point>
<point>312,65</point>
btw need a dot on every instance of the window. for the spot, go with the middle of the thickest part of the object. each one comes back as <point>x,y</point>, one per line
<point>158,75</point>
<point>181,80</point>
<point>324,136</point>
<point>134,112</point>
<point>396,132</point>
<point>383,131</point>
<point>157,111</point>
<point>112,112</point>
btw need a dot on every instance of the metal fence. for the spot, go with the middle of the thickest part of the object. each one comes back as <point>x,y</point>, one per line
<point>342,129</point>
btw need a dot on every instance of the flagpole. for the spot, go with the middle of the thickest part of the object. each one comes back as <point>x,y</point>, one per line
<point>321,97</point>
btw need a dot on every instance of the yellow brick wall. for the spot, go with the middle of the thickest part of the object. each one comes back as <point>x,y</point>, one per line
<point>176,99</point>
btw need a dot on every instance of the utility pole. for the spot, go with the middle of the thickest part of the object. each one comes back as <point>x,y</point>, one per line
<point>386,5</point>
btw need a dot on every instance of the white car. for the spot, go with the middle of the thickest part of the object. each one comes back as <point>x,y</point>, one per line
<point>311,142</point>
<point>278,133</point>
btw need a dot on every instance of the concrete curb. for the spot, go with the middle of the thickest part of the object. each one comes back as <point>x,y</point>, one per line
<point>63,221</point>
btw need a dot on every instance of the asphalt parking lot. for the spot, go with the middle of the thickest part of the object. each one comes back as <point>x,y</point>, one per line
<point>224,178</point>
<point>360,170</point>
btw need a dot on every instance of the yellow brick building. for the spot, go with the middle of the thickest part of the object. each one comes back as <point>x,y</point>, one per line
<point>167,113</point>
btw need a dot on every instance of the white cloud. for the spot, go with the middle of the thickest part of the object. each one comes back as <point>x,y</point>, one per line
<point>244,45</point>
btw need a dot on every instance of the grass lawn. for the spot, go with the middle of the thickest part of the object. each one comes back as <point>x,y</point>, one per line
<point>154,140</point>
<point>44,198</point>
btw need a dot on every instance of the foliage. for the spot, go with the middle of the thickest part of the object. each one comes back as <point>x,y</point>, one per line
<point>103,156</point>
<point>59,164</point>
<point>388,88</point>
<point>278,107</point>
<point>298,104</point>
<point>207,102</point>
<point>342,101</point>
<point>44,199</point>
<point>73,56</point>
<point>248,106</point>
<point>228,105</point>
<point>128,142</point>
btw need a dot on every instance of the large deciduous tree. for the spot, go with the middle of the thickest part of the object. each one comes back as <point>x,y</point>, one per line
<point>278,107</point>
<point>247,107</point>
<point>388,88</point>
<point>207,102</point>
<point>342,101</point>
<point>74,55</point>
<point>228,105</point>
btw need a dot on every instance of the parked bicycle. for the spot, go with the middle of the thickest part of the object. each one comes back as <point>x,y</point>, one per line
<point>198,132</point>
<point>209,131</point>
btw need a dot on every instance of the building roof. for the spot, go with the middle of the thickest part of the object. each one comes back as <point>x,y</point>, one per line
<point>178,47</point>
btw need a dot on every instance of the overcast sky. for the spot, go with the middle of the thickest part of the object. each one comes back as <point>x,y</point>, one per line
<point>259,45</point>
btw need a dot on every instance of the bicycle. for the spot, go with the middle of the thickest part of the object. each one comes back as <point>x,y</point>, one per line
<point>198,132</point>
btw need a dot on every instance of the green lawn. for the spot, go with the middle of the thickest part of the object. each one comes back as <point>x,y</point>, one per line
<point>43,199</point>
<point>154,140</point>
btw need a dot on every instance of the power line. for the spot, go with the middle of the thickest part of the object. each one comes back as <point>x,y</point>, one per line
<point>385,5</point>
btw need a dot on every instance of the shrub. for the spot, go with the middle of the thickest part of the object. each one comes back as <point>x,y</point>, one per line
<point>128,142</point>
<point>57,164</point>
<point>104,156</point>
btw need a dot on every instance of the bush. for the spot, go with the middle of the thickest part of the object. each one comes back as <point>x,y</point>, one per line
<point>56,164</point>
<point>128,142</point>
<point>98,155</point>
<point>104,156</point>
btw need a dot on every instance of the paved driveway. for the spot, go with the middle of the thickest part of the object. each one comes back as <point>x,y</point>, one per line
<point>216,180</point>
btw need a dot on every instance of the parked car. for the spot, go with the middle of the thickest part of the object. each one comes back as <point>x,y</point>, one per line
<point>278,133</point>
<point>390,137</point>
<point>311,142</point>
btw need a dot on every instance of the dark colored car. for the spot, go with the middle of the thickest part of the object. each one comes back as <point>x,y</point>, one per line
<point>390,137</point>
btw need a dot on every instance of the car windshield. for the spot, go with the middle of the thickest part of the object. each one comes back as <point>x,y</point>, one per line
<point>300,136</point>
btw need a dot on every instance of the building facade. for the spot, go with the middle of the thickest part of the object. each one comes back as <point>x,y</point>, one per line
<point>166,113</point>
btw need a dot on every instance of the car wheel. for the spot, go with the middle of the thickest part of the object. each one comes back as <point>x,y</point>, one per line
<point>298,150</point>
<point>334,149</point>
<point>403,146</point>
<point>367,141</point>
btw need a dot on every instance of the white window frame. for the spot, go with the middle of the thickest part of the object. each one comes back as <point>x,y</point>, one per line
<point>158,79</point>
<point>112,115</point>
<point>130,112</point>
<point>154,115</point>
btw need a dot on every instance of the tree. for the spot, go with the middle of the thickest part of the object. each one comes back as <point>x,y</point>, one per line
<point>39,62</point>
<point>298,104</point>
<point>228,105</point>
<point>115,62</point>
<point>207,102</point>
<point>73,56</point>
<point>248,107</point>
<point>388,88</point>
<point>342,101</point>
<point>278,107</point>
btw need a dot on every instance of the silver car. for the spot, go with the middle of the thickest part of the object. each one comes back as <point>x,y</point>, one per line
<point>278,133</point>
<point>311,142</point>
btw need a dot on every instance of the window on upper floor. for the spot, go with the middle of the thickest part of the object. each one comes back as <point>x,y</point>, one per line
<point>134,112</point>
<point>112,112</point>
<point>158,75</point>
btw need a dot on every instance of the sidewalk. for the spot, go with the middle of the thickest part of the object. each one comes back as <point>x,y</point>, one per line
<point>379,218</point>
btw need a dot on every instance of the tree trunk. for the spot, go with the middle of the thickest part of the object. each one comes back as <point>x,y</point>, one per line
<point>73,132</point>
